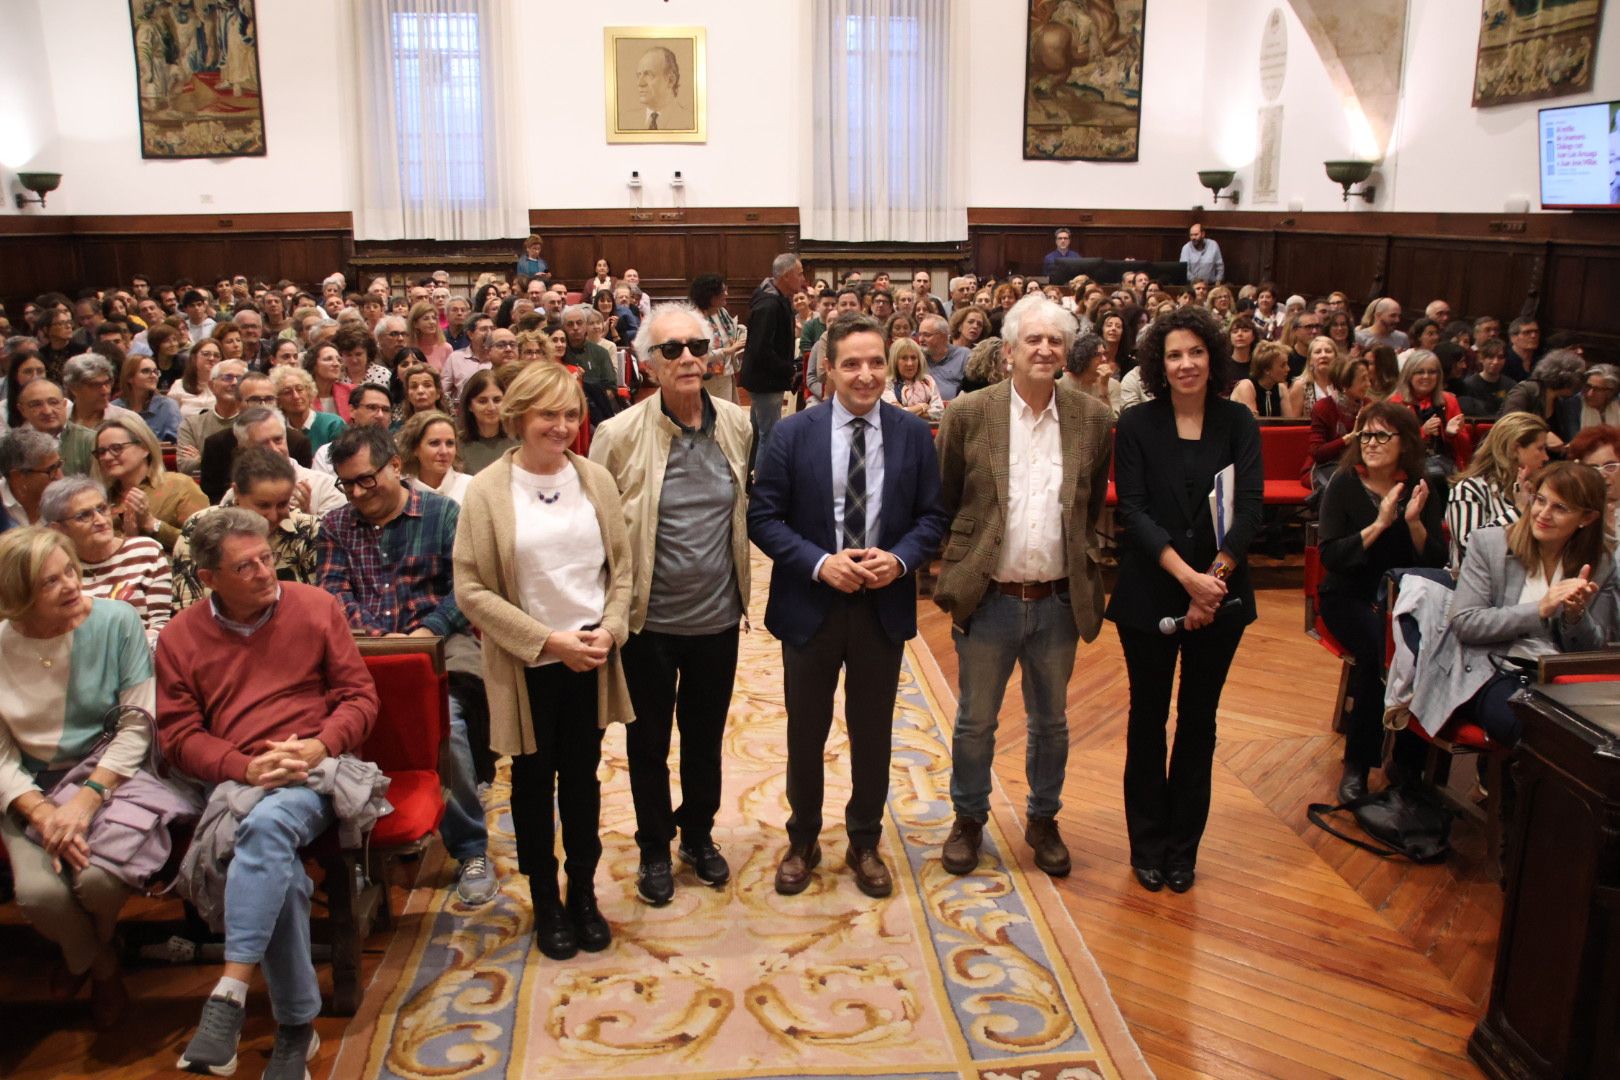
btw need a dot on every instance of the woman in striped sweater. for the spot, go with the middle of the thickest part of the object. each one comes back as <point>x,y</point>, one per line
<point>133,569</point>
<point>1485,492</point>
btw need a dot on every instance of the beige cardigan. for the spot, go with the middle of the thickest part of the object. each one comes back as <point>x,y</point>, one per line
<point>487,591</point>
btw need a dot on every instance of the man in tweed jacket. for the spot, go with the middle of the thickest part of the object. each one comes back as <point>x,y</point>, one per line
<point>1025,474</point>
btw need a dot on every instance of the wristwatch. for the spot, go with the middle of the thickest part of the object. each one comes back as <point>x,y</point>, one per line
<point>98,788</point>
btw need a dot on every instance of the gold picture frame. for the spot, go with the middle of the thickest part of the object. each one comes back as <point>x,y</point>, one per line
<point>649,98</point>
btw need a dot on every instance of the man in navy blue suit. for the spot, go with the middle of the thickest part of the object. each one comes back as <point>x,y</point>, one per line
<point>846,503</point>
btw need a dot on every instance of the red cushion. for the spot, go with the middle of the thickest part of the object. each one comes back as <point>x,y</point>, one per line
<point>415,715</point>
<point>1288,492</point>
<point>1560,679</point>
<point>1282,449</point>
<point>1470,735</point>
<point>418,801</point>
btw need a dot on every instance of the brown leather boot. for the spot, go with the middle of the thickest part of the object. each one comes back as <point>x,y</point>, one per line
<point>1051,854</point>
<point>793,872</point>
<point>960,855</point>
<point>871,876</point>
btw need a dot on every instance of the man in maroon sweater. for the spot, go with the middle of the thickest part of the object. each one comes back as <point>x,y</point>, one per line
<point>259,685</point>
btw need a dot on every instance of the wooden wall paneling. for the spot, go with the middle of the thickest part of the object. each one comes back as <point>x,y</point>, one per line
<point>1600,295</point>
<point>1314,264</point>
<point>1475,276</point>
<point>30,265</point>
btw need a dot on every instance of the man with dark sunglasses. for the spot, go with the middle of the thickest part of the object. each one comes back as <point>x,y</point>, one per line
<point>680,457</point>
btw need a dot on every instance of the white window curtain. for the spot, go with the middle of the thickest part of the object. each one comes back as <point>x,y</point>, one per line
<point>438,158</point>
<point>889,112</point>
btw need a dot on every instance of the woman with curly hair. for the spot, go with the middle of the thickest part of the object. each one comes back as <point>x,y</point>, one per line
<point>1178,562</point>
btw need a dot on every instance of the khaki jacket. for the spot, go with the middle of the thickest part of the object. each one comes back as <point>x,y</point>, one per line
<point>973,439</point>
<point>487,593</point>
<point>634,447</point>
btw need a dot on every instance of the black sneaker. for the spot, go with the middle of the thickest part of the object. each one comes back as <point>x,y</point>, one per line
<point>290,1057</point>
<point>707,862</point>
<point>655,882</point>
<point>212,1050</point>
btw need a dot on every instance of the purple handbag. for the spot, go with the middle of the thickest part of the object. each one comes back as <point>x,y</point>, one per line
<point>131,835</point>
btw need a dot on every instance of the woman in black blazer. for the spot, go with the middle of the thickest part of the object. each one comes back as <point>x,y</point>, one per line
<point>1166,454</point>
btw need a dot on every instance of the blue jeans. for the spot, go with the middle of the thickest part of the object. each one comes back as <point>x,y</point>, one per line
<point>267,898</point>
<point>766,409</point>
<point>1041,637</point>
<point>463,830</point>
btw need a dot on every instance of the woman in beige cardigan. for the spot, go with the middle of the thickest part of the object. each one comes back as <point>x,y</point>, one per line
<point>543,570</point>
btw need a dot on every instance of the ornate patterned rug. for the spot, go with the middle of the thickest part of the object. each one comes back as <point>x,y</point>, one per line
<point>982,976</point>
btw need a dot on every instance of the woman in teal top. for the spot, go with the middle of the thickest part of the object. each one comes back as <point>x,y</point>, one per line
<point>65,662</point>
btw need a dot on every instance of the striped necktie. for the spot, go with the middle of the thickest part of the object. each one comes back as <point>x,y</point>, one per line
<point>855,486</point>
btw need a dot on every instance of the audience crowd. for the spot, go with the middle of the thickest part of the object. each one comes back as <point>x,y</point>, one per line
<point>561,485</point>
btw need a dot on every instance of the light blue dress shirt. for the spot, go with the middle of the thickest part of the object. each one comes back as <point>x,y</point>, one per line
<point>842,435</point>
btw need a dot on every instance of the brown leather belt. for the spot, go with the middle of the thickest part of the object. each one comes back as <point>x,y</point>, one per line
<point>1031,590</point>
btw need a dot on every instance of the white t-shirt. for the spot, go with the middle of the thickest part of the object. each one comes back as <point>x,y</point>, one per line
<point>561,563</point>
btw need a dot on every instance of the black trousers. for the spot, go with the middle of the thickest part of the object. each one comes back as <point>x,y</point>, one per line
<point>686,682</point>
<point>563,704</point>
<point>1165,811</point>
<point>1360,628</point>
<point>851,640</point>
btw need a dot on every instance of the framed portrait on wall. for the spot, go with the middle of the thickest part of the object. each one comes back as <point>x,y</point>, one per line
<point>197,75</point>
<point>1083,80</point>
<point>656,84</point>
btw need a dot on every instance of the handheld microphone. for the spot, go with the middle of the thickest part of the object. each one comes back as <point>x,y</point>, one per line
<point>1168,626</point>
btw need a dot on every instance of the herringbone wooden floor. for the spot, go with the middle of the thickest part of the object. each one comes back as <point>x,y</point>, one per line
<point>1295,956</point>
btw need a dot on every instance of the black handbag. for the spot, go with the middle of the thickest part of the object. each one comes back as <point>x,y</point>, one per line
<point>1409,820</point>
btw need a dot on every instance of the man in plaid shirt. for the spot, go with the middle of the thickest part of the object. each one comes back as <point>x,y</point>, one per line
<point>387,558</point>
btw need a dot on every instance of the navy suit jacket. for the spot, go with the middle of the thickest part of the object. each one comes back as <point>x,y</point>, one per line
<point>790,517</point>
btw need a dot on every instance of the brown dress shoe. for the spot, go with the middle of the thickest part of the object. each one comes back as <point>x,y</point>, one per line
<point>1051,854</point>
<point>960,855</point>
<point>793,872</point>
<point>871,876</point>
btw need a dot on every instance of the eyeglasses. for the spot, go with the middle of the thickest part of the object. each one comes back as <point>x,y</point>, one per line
<point>226,377</point>
<point>1380,437</point>
<point>260,399</point>
<point>1308,326</point>
<point>1608,468</point>
<point>363,482</point>
<point>672,349</point>
<point>89,514</point>
<point>112,451</point>
<point>56,470</point>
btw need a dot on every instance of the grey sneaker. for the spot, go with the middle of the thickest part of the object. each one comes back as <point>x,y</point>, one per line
<point>477,884</point>
<point>290,1057</point>
<point>212,1051</point>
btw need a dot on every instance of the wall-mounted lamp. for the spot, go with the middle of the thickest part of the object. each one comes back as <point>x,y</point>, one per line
<point>1215,180</point>
<point>39,183</point>
<point>1347,174</point>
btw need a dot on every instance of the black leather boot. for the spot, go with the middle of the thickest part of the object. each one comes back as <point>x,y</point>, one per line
<point>553,931</point>
<point>591,931</point>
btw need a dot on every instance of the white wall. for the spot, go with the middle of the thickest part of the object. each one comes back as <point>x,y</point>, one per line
<point>1452,156</point>
<point>90,91</point>
<point>758,94</point>
<point>1443,155</point>
<point>68,104</point>
<point>1171,146</point>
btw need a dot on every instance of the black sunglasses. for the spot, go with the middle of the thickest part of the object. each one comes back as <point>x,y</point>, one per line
<point>673,348</point>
